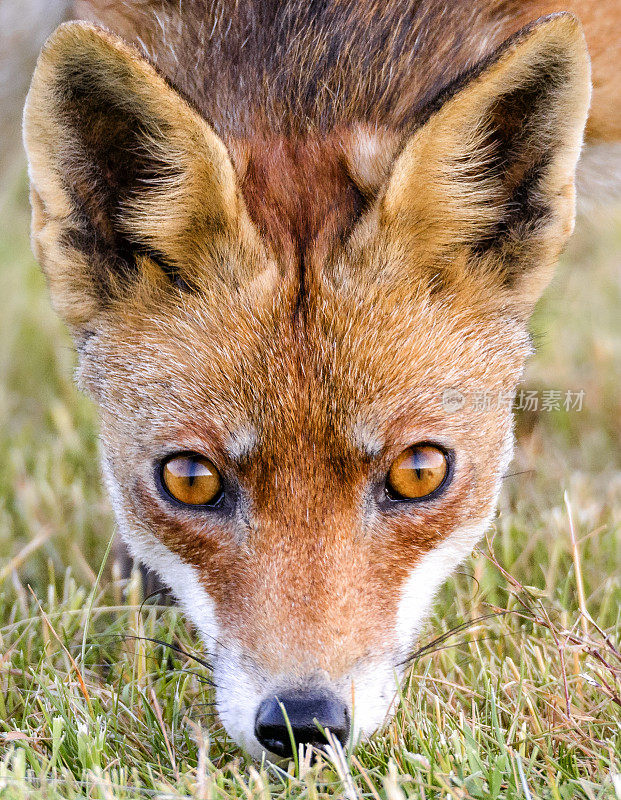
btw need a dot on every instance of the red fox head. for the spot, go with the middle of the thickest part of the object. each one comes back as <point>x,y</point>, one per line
<point>272,380</point>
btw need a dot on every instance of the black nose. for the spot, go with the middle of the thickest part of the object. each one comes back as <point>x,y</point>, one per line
<point>304,710</point>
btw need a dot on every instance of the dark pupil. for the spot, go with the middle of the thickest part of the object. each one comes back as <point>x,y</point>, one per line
<point>418,463</point>
<point>192,470</point>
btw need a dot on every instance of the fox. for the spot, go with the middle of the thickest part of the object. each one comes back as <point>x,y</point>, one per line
<point>291,241</point>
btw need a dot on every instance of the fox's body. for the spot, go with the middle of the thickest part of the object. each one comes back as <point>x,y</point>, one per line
<point>277,250</point>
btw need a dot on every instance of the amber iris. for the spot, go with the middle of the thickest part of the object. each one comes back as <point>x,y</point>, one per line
<point>192,479</point>
<point>418,472</point>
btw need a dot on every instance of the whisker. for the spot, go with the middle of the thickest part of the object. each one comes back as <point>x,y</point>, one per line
<point>209,703</point>
<point>430,647</point>
<point>167,670</point>
<point>521,472</point>
<point>164,590</point>
<point>472,578</point>
<point>199,678</point>
<point>175,648</point>
<point>462,643</point>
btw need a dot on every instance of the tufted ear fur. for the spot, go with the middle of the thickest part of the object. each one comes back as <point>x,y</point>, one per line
<point>486,184</point>
<point>127,180</point>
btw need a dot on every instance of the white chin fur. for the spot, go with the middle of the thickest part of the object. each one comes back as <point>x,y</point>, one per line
<point>373,686</point>
<point>375,693</point>
<point>433,569</point>
<point>427,577</point>
<point>238,697</point>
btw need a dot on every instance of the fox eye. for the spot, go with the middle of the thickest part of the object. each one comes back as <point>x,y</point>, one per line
<point>418,473</point>
<point>191,479</point>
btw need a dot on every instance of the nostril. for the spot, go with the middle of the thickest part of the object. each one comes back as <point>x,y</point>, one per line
<point>304,710</point>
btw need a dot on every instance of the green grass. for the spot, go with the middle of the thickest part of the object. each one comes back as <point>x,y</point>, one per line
<point>520,705</point>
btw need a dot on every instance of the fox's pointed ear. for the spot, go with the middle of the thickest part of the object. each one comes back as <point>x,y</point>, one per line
<point>127,179</point>
<point>486,184</point>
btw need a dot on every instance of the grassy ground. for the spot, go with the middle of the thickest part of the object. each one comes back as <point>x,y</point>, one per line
<point>525,704</point>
